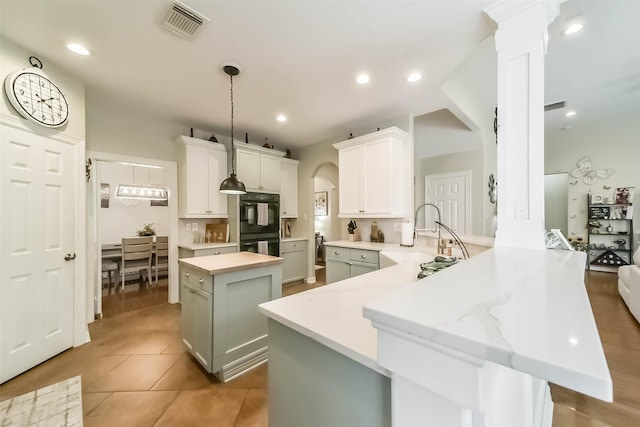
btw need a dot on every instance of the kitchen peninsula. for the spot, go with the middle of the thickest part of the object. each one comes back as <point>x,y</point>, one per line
<point>467,343</point>
<point>221,325</point>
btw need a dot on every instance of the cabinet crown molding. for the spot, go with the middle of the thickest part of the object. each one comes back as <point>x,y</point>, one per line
<point>392,132</point>
<point>201,143</point>
<point>258,149</point>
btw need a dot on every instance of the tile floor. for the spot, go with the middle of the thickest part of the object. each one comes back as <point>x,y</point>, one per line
<point>137,372</point>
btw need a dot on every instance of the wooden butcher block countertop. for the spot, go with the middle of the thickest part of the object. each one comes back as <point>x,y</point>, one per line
<point>227,263</point>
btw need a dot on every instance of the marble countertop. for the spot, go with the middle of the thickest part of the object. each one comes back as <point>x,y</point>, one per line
<point>198,246</point>
<point>526,309</point>
<point>332,314</point>
<point>228,263</point>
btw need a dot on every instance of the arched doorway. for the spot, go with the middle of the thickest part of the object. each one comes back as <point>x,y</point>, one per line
<point>326,223</point>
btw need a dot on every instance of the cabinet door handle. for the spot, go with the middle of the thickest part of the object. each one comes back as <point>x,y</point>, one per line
<point>363,256</point>
<point>295,244</point>
<point>217,253</point>
<point>337,252</point>
<point>187,274</point>
<point>201,281</point>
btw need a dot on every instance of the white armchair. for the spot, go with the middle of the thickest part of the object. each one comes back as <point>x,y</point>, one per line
<point>629,285</point>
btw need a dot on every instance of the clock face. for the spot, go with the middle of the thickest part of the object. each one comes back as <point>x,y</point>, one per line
<point>37,98</point>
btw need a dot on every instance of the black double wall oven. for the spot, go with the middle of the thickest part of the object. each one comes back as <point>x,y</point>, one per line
<point>260,223</point>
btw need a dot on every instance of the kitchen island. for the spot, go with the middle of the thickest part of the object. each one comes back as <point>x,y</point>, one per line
<point>474,344</point>
<point>221,324</point>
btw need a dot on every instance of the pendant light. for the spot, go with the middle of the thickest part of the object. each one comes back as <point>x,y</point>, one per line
<point>232,185</point>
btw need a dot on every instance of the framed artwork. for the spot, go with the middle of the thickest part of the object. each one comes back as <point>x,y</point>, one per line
<point>321,203</point>
<point>624,195</point>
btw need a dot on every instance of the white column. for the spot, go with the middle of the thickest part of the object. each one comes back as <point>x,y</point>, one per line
<point>521,41</point>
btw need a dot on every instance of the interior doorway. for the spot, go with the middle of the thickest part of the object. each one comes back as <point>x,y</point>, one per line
<point>451,193</point>
<point>110,219</point>
<point>325,212</point>
<point>556,200</point>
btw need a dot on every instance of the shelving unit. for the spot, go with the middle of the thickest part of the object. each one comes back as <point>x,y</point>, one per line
<point>610,244</point>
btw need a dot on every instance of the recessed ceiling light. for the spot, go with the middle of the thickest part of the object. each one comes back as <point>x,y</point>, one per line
<point>572,29</point>
<point>570,113</point>
<point>414,77</point>
<point>79,49</point>
<point>362,79</point>
<point>281,118</point>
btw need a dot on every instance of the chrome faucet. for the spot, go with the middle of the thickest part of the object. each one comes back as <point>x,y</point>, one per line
<point>439,221</point>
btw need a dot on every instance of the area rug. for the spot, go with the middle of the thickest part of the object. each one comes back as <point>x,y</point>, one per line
<point>58,404</point>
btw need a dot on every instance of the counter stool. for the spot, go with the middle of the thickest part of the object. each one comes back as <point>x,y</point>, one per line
<point>110,267</point>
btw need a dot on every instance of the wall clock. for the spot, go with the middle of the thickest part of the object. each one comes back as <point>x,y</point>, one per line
<point>36,98</point>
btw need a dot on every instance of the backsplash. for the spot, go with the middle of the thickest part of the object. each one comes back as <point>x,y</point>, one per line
<point>197,236</point>
<point>364,226</point>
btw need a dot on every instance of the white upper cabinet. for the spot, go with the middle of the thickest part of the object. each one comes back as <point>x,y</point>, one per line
<point>289,189</point>
<point>202,167</point>
<point>372,175</point>
<point>258,168</point>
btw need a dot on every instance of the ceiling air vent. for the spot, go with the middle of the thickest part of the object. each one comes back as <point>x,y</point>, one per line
<point>555,105</point>
<point>183,20</point>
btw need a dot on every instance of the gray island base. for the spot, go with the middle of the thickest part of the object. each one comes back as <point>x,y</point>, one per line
<point>221,324</point>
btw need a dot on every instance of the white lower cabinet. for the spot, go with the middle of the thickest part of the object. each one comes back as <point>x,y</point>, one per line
<point>294,266</point>
<point>344,263</point>
<point>197,315</point>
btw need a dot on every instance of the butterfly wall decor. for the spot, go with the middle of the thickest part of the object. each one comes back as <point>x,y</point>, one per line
<point>589,175</point>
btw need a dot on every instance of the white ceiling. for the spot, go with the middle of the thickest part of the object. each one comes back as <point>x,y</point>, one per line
<point>300,58</point>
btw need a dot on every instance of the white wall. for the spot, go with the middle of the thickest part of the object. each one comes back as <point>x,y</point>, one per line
<point>472,89</point>
<point>14,58</point>
<point>123,218</point>
<point>615,145</point>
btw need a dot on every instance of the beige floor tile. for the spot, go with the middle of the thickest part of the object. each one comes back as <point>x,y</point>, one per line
<point>255,410</point>
<point>176,347</point>
<point>195,408</point>
<point>137,372</point>
<point>186,374</point>
<point>131,409</point>
<point>255,378</point>
<point>91,400</point>
<point>146,342</point>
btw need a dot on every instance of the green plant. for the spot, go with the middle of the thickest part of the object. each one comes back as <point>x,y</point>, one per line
<point>147,230</point>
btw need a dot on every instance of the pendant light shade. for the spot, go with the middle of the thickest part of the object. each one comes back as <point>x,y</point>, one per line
<point>232,185</point>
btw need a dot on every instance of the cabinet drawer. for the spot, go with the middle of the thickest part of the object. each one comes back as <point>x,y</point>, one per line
<point>216,251</point>
<point>297,245</point>
<point>364,255</point>
<point>196,278</point>
<point>336,252</point>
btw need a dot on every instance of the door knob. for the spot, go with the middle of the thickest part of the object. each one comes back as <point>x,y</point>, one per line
<point>69,257</point>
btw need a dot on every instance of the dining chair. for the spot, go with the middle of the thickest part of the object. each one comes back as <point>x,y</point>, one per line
<point>161,256</point>
<point>136,257</point>
<point>111,268</point>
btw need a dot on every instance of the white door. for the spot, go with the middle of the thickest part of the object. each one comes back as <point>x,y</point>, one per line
<point>450,192</point>
<point>37,217</point>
